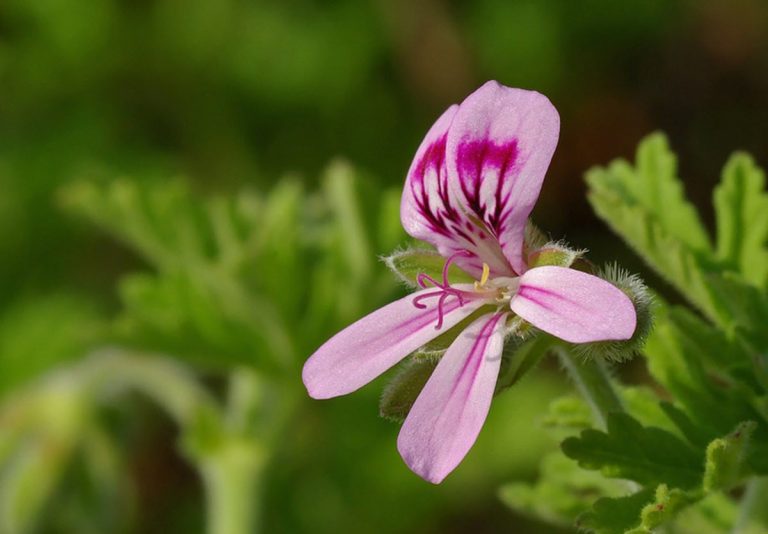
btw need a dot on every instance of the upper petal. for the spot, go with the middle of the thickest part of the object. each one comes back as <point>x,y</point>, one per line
<point>370,346</point>
<point>498,149</point>
<point>573,305</point>
<point>446,418</point>
<point>426,210</point>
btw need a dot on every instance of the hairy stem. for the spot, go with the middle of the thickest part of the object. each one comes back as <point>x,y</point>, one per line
<point>232,481</point>
<point>593,382</point>
<point>753,516</point>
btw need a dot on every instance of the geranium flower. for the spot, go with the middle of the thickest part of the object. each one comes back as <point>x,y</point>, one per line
<point>469,192</point>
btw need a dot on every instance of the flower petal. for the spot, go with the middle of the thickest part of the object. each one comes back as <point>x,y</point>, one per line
<point>498,149</point>
<point>426,211</point>
<point>367,348</point>
<point>446,418</point>
<point>573,305</point>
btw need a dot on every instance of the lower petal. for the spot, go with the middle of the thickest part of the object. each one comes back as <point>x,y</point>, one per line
<point>574,306</point>
<point>446,418</point>
<point>367,348</point>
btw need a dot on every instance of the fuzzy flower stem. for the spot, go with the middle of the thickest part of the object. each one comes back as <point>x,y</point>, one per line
<point>753,515</point>
<point>593,381</point>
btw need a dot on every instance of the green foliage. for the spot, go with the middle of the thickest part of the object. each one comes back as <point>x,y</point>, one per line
<point>564,492</point>
<point>230,281</point>
<point>741,205</point>
<point>41,332</point>
<point>726,463</point>
<point>647,455</point>
<point>703,432</point>
<point>645,204</point>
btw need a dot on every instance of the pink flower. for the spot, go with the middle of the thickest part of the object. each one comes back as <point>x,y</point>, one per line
<point>469,192</point>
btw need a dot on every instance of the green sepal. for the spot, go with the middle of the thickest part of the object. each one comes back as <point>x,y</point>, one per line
<point>409,263</point>
<point>555,254</point>
<point>519,358</point>
<point>638,293</point>
<point>401,392</point>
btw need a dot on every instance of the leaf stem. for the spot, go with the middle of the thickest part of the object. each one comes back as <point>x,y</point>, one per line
<point>593,381</point>
<point>753,515</point>
<point>231,478</point>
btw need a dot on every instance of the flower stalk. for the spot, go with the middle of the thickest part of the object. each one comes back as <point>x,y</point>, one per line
<point>593,381</point>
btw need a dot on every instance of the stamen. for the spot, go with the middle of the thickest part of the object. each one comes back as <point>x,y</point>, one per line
<point>484,278</point>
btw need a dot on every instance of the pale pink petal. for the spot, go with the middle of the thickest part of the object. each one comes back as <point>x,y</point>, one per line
<point>426,212</point>
<point>498,149</point>
<point>367,348</point>
<point>573,305</point>
<point>446,418</point>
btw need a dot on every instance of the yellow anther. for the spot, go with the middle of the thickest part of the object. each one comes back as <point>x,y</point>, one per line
<point>484,277</point>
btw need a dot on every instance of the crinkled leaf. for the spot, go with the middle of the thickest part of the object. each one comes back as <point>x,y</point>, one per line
<point>647,455</point>
<point>741,206</point>
<point>675,360</point>
<point>726,463</point>
<point>652,186</point>
<point>666,505</point>
<point>615,515</point>
<point>644,204</point>
<point>562,493</point>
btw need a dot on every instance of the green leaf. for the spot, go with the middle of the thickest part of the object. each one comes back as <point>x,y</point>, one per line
<point>569,413</point>
<point>645,205</point>
<point>676,359</point>
<point>741,206</point>
<point>726,463</point>
<point>409,263</point>
<point>666,505</point>
<point>652,187</point>
<point>38,333</point>
<point>562,493</point>
<point>615,515</point>
<point>647,455</point>
<point>401,392</point>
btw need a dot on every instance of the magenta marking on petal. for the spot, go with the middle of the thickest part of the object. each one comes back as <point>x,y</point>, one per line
<point>478,346</point>
<point>433,160</point>
<point>526,290</point>
<point>475,157</point>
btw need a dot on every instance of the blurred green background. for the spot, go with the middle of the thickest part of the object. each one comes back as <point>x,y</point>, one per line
<point>196,101</point>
